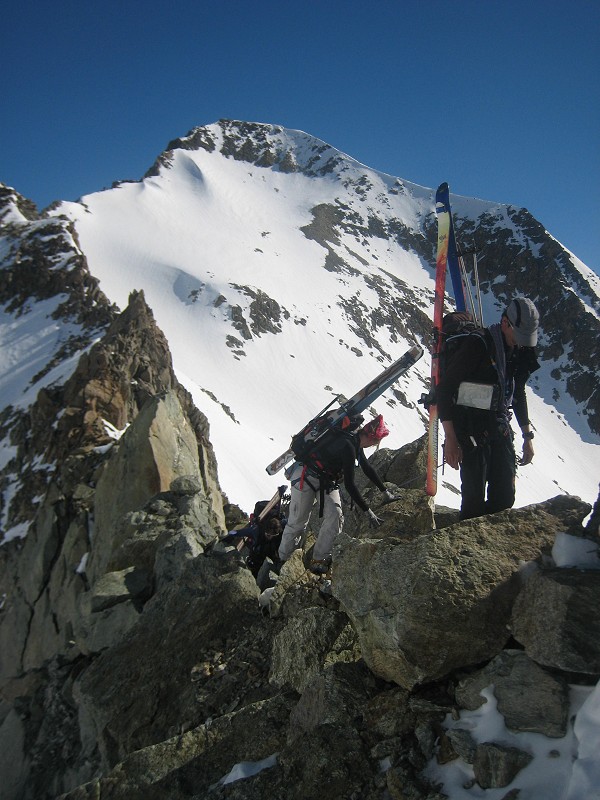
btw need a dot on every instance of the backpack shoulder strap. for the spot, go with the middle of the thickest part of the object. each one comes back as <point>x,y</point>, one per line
<point>488,340</point>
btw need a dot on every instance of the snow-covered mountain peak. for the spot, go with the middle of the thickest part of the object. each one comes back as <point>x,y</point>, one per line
<point>289,151</point>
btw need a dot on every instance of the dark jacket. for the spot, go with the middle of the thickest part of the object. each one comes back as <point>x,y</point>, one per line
<point>339,457</point>
<point>474,360</point>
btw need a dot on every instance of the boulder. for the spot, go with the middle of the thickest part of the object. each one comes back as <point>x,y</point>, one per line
<point>412,513</point>
<point>405,467</point>
<point>530,698</point>
<point>116,587</point>
<point>110,609</point>
<point>497,765</point>
<point>198,758</point>
<point>335,695</point>
<point>291,572</point>
<point>171,559</point>
<point>463,744</point>
<point>388,714</point>
<point>556,617</point>
<point>168,531</point>
<point>94,632</point>
<point>396,588</point>
<point>152,666</point>
<point>158,447</point>
<point>301,649</point>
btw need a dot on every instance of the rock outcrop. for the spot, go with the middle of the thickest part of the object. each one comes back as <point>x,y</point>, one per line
<point>174,673</point>
<point>426,604</point>
<point>129,496</point>
<point>556,618</point>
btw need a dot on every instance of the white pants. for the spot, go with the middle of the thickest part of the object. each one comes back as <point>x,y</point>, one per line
<point>301,503</point>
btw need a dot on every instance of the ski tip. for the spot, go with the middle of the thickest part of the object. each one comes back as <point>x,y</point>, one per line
<point>443,187</point>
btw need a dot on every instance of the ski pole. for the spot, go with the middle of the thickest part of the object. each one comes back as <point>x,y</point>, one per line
<point>477,288</point>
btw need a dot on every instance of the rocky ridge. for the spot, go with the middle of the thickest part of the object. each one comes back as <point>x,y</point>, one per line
<point>63,591</point>
<point>137,660</point>
<point>42,266</point>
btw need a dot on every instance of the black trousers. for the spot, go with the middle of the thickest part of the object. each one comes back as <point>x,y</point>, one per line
<point>490,465</point>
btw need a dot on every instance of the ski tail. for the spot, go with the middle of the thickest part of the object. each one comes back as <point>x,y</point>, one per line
<point>359,401</point>
<point>432,451</point>
<point>280,462</point>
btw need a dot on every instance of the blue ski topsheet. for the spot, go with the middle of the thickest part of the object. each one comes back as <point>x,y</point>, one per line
<point>443,196</point>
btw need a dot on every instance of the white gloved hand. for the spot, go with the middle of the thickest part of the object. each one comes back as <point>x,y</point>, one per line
<point>374,520</point>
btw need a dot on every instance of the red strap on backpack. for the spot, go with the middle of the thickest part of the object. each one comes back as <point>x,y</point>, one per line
<point>302,478</point>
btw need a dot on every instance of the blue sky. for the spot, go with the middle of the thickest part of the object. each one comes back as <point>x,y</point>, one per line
<point>500,99</point>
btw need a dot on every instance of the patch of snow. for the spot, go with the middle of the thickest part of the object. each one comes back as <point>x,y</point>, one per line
<point>18,531</point>
<point>246,769</point>
<point>573,551</point>
<point>80,568</point>
<point>559,766</point>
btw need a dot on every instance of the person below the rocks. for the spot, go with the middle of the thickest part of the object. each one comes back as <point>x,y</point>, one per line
<point>480,440</point>
<point>338,457</point>
<point>262,535</point>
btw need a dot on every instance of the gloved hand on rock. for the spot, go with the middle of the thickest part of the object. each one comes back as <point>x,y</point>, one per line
<point>374,520</point>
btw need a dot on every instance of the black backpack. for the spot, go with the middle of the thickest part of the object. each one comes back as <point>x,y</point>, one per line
<point>455,326</point>
<point>312,444</point>
<point>258,507</point>
<point>265,543</point>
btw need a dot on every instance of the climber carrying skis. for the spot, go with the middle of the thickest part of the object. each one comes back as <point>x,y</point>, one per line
<point>319,475</point>
<point>478,435</point>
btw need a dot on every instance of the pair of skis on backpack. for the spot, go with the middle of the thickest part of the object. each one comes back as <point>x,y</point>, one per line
<point>344,416</point>
<point>448,260</point>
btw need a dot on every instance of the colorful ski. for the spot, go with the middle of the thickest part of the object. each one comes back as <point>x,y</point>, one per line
<point>444,218</point>
<point>456,274</point>
<point>361,400</point>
